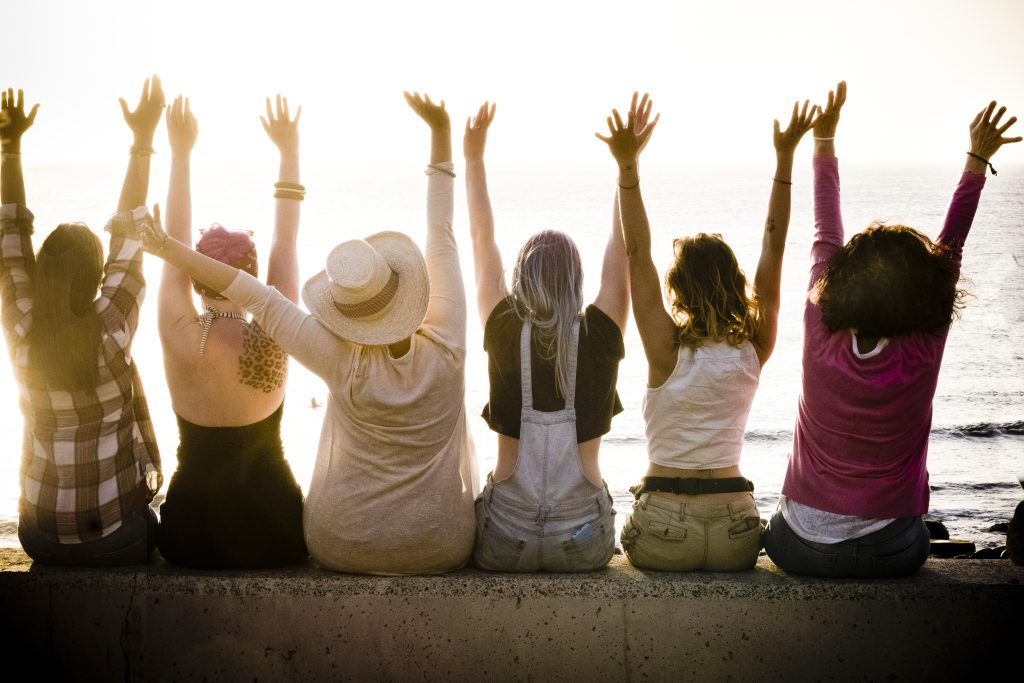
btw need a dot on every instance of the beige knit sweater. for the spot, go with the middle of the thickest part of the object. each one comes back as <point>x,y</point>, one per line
<point>395,476</point>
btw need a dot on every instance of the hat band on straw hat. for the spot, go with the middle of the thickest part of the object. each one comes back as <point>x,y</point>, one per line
<point>374,304</point>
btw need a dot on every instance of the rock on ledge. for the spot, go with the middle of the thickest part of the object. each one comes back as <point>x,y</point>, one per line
<point>954,619</point>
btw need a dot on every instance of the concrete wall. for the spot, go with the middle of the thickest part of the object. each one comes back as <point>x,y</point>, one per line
<point>955,619</point>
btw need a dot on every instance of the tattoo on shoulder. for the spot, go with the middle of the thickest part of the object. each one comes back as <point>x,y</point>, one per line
<point>263,364</point>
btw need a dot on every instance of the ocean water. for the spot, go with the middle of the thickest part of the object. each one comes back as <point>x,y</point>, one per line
<point>977,444</point>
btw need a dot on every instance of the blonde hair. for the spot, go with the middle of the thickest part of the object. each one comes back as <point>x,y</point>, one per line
<point>708,293</point>
<point>547,290</point>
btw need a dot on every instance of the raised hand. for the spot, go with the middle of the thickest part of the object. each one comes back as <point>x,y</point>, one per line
<point>152,234</point>
<point>182,128</point>
<point>144,120</point>
<point>987,134</point>
<point>828,118</point>
<point>627,140</point>
<point>13,120</point>
<point>282,130</point>
<point>475,139</point>
<point>434,114</point>
<point>801,122</point>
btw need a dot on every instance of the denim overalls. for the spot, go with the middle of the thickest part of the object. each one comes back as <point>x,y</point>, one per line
<point>546,516</point>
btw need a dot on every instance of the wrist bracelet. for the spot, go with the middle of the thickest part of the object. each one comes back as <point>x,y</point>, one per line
<point>984,161</point>
<point>440,169</point>
<point>140,151</point>
<point>825,139</point>
<point>11,155</point>
<point>290,186</point>
<point>290,194</point>
<point>782,182</point>
<point>629,187</point>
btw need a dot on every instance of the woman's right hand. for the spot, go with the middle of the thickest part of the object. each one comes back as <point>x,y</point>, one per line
<point>475,139</point>
<point>13,120</point>
<point>627,140</point>
<point>146,117</point>
<point>828,118</point>
<point>182,128</point>
<point>282,130</point>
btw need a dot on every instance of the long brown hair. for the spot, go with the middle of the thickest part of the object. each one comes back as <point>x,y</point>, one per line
<point>63,342</point>
<point>708,293</point>
<point>890,280</point>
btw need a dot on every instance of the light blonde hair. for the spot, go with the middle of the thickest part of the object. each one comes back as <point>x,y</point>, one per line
<point>547,290</point>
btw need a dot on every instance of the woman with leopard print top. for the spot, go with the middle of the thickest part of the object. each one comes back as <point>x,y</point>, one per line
<point>233,501</point>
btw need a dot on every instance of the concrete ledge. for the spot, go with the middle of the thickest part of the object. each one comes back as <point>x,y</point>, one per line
<point>954,619</point>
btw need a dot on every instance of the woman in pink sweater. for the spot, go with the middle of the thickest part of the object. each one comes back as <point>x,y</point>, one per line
<point>875,327</point>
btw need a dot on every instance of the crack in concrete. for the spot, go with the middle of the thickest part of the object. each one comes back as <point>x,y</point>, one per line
<point>126,639</point>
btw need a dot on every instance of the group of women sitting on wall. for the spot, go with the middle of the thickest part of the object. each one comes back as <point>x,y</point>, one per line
<point>394,489</point>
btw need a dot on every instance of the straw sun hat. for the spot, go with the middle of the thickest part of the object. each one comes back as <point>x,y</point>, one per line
<point>373,291</point>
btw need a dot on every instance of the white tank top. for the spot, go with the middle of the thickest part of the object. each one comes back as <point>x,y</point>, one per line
<point>696,419</point>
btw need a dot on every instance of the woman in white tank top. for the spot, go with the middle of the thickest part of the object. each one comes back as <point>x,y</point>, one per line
<point>694,509</point>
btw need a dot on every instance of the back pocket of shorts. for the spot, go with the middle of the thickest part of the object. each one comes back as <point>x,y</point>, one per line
<point>745,528</point>
<point>496,551</point>
<point>666,531</point>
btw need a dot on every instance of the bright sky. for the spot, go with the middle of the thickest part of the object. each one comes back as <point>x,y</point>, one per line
<point>718,72</point>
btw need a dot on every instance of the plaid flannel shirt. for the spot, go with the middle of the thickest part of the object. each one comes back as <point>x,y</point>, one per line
<point>89,458</point>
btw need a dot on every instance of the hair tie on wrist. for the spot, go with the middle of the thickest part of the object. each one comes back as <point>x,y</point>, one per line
<point>440,169</point>
<point>825,139</point>
<point>783,182</point>
<point>984,161</point>
<point>629,187</point>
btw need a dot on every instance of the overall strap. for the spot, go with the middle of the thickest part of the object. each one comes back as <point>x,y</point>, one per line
<point>570,400</point>
<point>525,370</point>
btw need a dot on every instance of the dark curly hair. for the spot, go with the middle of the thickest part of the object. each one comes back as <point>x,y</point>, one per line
<point>890,280</point>
<point>708,292</point>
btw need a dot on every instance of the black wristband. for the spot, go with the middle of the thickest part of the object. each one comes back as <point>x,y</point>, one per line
<point>984,161</point>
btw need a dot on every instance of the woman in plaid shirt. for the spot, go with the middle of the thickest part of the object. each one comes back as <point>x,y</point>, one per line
<point>90,463</point>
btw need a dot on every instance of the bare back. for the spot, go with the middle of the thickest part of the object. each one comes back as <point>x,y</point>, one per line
<point>238,380</point>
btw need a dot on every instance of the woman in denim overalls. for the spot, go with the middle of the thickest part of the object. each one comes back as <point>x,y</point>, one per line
<point>545,506</point>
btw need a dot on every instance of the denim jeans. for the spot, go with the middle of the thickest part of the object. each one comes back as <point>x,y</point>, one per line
<point>132,543</point>
<point>898,549</point>
<point>668,533</point>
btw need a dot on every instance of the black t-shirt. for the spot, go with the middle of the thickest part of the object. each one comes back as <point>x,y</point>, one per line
<point>600,350</point>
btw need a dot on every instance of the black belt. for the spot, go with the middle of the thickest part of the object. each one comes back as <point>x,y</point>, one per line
<point>691,486</point>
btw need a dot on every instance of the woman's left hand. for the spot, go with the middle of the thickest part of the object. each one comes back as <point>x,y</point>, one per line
<point>152,234</point>
<point>800,122</point>
<point>434,114</point>
<point>282,130</point>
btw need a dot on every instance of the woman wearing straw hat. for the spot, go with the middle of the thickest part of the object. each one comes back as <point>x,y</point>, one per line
<point>393,486</point>
<point>545,506</point>
<point>233,501</point>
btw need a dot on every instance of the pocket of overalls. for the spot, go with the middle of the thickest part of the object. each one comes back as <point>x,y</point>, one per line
<point>590,546</point>
<point>494,550</point>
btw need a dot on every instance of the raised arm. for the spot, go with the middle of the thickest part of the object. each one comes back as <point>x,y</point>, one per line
<point>283,265</point>
<point>828,219</point>
<point>175,297</point>
<point>658,331</point>
<point>143,122</point>
<point>17,259</point>
<point>446,312</point>
<point>768,279</point>
<point>13,124</point>
<point>613,296</point>
<point>986,139</point>
<point>295,331</point>
<point>490,274</point>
